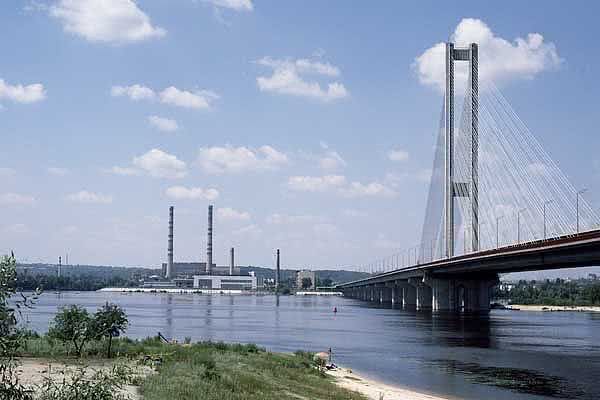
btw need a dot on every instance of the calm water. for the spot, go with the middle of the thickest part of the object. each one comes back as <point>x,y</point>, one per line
<point>506,355</point>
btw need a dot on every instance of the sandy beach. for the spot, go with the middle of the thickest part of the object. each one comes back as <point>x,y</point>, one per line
<point>376,390</point>
<point>553,308</point>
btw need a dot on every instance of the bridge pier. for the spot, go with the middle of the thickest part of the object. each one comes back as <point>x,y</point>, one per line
<point>423,293</point>
<point>469,294</point>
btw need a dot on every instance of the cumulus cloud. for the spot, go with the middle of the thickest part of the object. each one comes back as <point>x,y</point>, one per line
<point>228,213</point>
<point>290,77</point>
<point>6,172</point>
<point>338,184</point>
<point>236,5</point>
<point>124,171</point>
<point>398,155</point>
<point>109,21</point>
<point>163,124</point>
<point>57,171</point>
<point>84,196</point>
<point>24,94</point>
<point>17,229</point>
<point>286,219</point>
<point>7,199</point>
<point>331,160</point>
<point>253,231</point>
<point>316,183</point>
<point>500,60</point>
<point>159,164</point>
<point>192,193</point>
<point>228,159</point>
<point>199,99</point>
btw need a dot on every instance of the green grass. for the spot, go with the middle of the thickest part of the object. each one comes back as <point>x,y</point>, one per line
<point>214,371</point>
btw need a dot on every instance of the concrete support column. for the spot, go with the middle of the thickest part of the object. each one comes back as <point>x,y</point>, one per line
<point>409,297</point>
<point>441,295</point>
<point>424,295</point>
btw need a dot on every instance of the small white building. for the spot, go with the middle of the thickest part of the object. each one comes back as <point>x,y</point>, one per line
<point>225,282</point>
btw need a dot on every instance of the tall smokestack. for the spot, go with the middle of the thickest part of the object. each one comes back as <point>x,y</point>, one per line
<point>277,273</point>
<point>209,247</point>
<point>232,261</point>
<point>59,265</point>
<point>170,246</point>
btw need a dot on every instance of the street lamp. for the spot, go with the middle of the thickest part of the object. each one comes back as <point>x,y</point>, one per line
<point>497,232</point>
<point>582,191</point>
<point>546,203</point>
<point>519,225</point>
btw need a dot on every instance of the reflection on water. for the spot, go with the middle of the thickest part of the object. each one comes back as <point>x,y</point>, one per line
<point>503,355</point>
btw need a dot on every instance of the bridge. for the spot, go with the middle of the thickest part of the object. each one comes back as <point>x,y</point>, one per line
<point>497,203</point>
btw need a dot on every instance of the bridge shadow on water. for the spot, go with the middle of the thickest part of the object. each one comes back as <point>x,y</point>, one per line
<point>487,353</point>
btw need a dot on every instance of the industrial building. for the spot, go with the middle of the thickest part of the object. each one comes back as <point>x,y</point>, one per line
<point>306,274</point>
<point>201,275</point>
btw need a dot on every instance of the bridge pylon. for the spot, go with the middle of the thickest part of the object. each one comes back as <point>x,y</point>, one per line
<point>454,189</point>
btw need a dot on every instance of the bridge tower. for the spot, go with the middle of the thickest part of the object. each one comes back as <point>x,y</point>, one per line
<point>454,189</point>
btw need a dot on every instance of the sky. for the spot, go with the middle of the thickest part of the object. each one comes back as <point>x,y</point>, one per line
<point>309,125</point>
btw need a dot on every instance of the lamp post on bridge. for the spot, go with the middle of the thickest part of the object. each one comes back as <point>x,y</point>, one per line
<point>497,231</point>
<point>546,203</point>
<point>579,193</point>
<point>519,225</point>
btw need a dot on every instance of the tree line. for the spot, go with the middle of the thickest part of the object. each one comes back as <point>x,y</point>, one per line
<point>558,292</point>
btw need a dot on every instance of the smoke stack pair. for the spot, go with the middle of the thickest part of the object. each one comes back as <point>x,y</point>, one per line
<point>232,261</point>
<point>170,246</point>
<point>209,246</point>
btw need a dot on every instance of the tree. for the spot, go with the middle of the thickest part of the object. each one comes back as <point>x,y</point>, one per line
<point>110,321</point>
<point>11,338</point>
<point>306,283</point>
<point>73,325</point>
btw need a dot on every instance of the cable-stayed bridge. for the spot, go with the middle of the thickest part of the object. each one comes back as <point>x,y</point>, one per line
<point>497,203</point>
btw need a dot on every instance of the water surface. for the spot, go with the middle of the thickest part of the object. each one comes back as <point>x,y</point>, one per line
<point>506,355</point>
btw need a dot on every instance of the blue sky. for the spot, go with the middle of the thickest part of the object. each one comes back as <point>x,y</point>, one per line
<point>307,124</point>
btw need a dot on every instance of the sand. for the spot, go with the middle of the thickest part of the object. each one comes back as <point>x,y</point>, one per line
<point>553,308</point>
<point>33,371</point>
<point>376,390</point>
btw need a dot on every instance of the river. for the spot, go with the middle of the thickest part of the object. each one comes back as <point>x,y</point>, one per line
<point>505,355</point>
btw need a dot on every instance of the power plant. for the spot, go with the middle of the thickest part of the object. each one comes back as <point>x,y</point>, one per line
<point>201,275</point>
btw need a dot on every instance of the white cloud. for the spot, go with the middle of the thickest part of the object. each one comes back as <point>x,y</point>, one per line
<point>285,219</point>
<point>84,196</point>
<point>332,160</point>
<point>289,78</point>
<point>124,171</point>
<point>219,160</point>
<point>382,242</point>
<point>109,21</point>
<point>22,94</point>
<point>228,213</point>
<point>134,92</point>
<point>18,229</point>
<point>193,193</point>
<point>236,5</point>
<point>339,185</point>
<point>252,231</point>
<point>7,172</point>
<point>200,99</point>
<point>398,155</point>
<point>163,124</point>
<point>16,199</point>
<point>316,183</point>
<point>538,168</point>
<point>57,171</point>
<point>159,164</point>
<point>350,212</point>
<point>500,60</point>
<point>373,189</point>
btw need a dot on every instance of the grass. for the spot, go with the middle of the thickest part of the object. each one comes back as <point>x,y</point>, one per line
<point>213,370</point>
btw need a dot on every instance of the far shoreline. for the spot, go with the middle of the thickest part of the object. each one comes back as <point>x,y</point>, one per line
<point>544,308</point>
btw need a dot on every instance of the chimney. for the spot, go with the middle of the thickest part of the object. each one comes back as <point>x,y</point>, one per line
<point>232,261</point>
<point>277,273</point>
<point>209,247</point>
<point>170,246</point>
<point>59,265</point>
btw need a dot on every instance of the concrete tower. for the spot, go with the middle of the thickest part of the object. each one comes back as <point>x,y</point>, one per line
<point>169,270</point>
<point>277,271</point>
<point>232,261</point>
<point>467,189</point>
<point>209,246</point>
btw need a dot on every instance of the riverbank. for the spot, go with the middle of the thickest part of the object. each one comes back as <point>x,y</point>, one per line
<point>204,370</point>
<point>522,307</point>
<point>375,390</point>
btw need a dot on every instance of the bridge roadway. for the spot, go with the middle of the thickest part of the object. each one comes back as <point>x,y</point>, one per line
<point>463,283</point>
